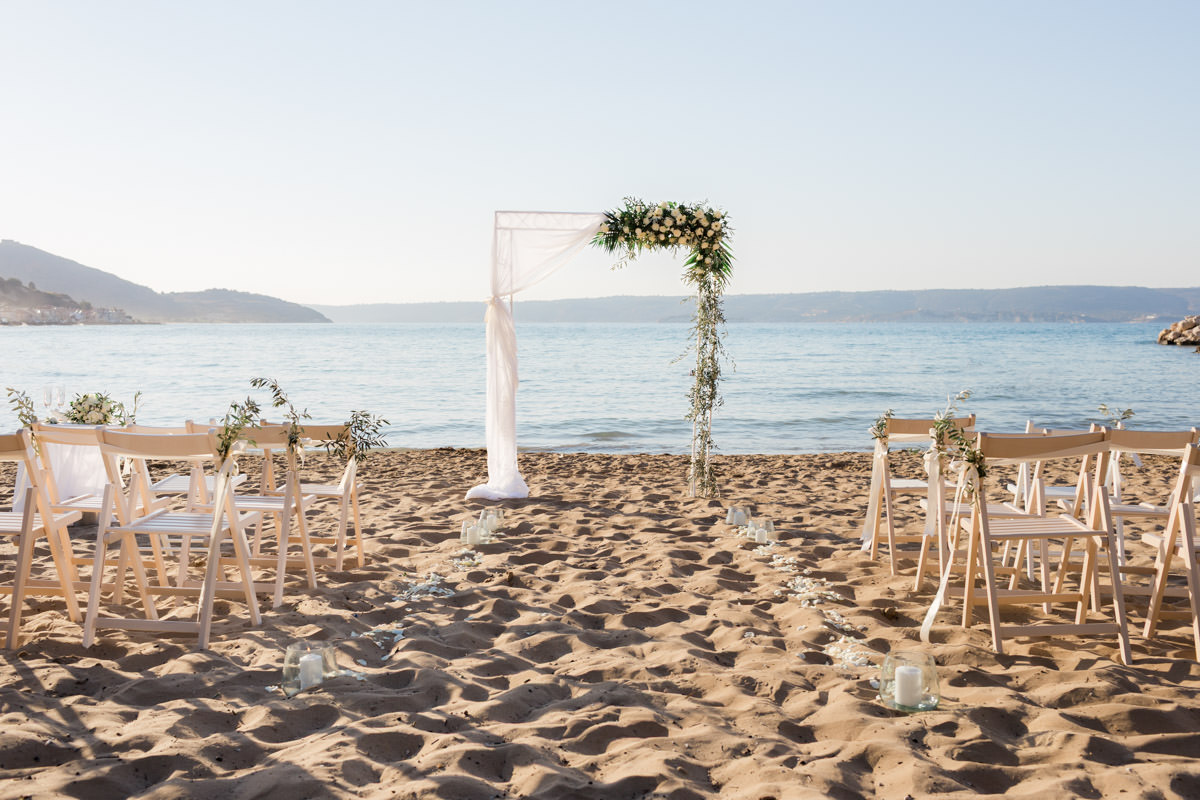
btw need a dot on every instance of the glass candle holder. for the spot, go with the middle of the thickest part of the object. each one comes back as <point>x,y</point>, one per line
<point>908,681</point>
<point>307,664</point>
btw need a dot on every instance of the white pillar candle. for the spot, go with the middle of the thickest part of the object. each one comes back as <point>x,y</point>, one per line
<point>311,670</point>
<point>908,686</point>
<point>729,516</point>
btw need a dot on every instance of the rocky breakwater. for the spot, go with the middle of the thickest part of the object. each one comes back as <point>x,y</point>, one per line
<point>1185,332</point>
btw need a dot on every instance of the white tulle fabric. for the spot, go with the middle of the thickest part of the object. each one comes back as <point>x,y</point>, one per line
<point>528,246</point>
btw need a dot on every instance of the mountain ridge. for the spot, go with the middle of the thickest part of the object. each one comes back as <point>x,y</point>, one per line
<point>96,287</point>
<point>1020,304</point>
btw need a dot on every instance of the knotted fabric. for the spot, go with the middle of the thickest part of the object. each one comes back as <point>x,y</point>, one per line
<point>527,247</point>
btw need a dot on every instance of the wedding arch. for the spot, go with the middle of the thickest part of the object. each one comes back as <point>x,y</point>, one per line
<point>529,246</point>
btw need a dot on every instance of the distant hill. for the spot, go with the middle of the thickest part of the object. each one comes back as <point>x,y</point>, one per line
<point>1026,304</point>
<point>22,304</point>
<point>51,273</point>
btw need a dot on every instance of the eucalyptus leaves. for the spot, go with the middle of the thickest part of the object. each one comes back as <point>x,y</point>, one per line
<point>363,431</point>
<point>704,233</point>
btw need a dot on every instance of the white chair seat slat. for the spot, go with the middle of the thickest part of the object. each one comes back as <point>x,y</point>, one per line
<point>10,521</point>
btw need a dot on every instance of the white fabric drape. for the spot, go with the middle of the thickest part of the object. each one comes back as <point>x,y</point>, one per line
<point>528,246</point>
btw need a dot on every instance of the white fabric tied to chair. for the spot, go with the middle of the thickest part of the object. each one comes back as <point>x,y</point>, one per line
<point>527,247</point>
<point>966,475</point>
<point>884,488</point>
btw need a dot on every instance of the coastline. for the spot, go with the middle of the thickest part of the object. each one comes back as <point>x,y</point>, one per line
<point>617,640</point>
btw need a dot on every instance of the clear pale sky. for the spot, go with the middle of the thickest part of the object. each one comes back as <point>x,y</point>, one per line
<point>342,152</point>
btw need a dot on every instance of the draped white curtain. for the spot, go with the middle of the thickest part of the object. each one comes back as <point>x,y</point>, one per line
<point>528,246</point>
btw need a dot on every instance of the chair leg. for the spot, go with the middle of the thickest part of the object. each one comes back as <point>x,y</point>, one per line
<point>93,606</point>
<point>21,579</point>
<point>208,588</point>
<point>310,566</point>
<point>358,536</point>
<point>1114,571</point>
<point>64,567</point>
<point>984,551</point>
<point>969,576</point>
<point>1085,580</point>
<point>343,524</point>
<point>922,561</point>
<point>129,542</point>
<point>891,531</point>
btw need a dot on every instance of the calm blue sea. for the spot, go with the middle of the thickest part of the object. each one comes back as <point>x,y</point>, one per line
<point>623,388</point>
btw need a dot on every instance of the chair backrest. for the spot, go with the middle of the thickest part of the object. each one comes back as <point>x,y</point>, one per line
<point>159,429</point>
<point>325,433</point>
<point>321,434</point>
<point>138,447</point>
<point>917,430</point>
<point>174,446</point>
<point>1040,447</point>
<point>18,447</point>
<point>1162,443</point>
<point>79,435</point>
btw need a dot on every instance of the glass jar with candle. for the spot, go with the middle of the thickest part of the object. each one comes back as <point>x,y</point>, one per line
<point>908,681</point>
<point>307,664</point>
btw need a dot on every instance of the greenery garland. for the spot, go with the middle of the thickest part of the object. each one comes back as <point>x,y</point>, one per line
<point>704,232</point>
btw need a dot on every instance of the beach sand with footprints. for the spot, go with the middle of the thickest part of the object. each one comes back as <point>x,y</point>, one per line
<point>616,640</point>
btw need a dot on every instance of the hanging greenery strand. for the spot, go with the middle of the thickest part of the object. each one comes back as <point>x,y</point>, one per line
<point>704,233</point>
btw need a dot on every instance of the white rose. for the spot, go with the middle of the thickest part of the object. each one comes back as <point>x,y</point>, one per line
<point>638,232</point>
<point>717,224</point>
<point>662,236</point>
<point>654,227</point>
<point>708,260</point>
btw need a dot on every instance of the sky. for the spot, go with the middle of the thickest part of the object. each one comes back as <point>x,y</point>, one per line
<point>354,152</point>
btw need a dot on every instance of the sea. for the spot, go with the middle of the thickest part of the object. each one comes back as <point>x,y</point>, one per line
<point>622,388</point>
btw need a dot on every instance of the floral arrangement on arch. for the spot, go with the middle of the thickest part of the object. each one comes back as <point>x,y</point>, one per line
<point>705,232</point>
<point>701,229</point>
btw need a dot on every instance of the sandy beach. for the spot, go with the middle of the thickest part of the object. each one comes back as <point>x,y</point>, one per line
<point>617,640</point>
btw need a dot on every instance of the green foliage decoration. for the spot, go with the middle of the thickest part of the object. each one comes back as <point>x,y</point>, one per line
<point>241,415</point>
<point>704,233</point>
<point>364,433</point>
<point>951,440</point>
<point>1114,417</point>
<point>279,399</point>
<point>22,406</point>
<point>880,429</point>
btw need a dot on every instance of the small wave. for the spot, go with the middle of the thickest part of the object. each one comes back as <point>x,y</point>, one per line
<point>609,436</point>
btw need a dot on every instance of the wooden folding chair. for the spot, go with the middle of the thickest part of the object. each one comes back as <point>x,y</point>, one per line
<point>195,487</point>
<point>885,489</point>
<point>34,520</point>
<point>211,530</point>
<point>1141,442</point>
<point>988,536</point>
<point>1179,539</point>
<point>282,505</point>
<point>344,493</point>
<point>81,436</point>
